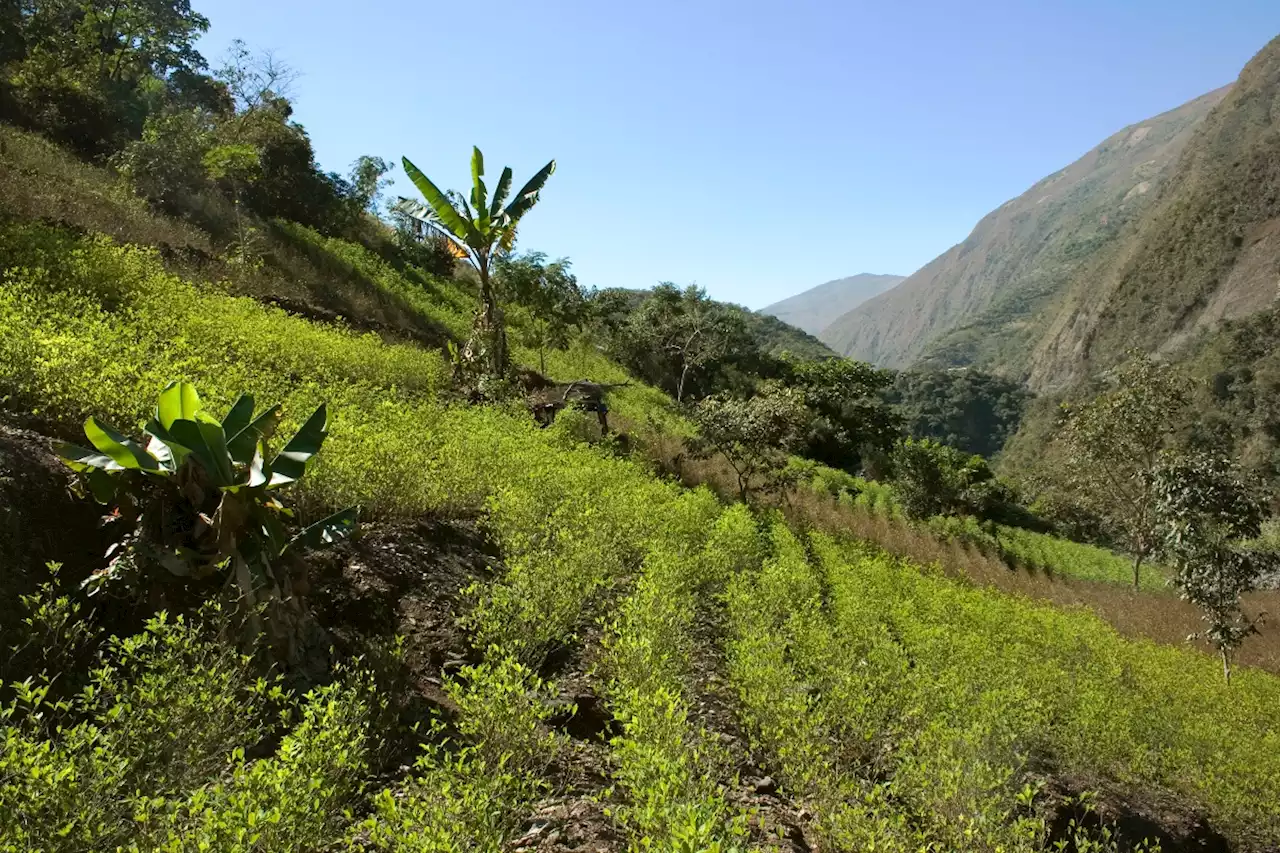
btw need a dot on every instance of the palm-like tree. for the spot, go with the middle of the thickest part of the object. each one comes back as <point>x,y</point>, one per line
<point>482,229</point>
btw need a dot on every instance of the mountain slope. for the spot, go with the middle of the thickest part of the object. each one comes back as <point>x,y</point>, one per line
<point>981,301</point>
<point>1208,250</point>
<point>814,309</point>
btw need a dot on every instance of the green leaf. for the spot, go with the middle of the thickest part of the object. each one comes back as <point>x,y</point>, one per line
<point>169,456</point>
<point>83,459</point>
<point>528,195</point>
<point>259,475</point>
<point>208,444</point>
<point>169,452</point>
<point>102,485</point>
<point>291,464</point>
<point>479,195</point>
<point>178,401</point>
<point>500,193</point>
<point>241,445</point>
<point>271,530</point>
<point>448,215</point>
<point>238,417</point>
<point>327,531</point>
<point>124,451</point>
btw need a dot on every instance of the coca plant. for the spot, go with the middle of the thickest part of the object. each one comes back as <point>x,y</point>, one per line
<point>202,496</point>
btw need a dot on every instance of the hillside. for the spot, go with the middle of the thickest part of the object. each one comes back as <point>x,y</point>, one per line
<point>981,303</point>
<point>1206,250</point>
<point>299,552</point>
<point>814,309</point>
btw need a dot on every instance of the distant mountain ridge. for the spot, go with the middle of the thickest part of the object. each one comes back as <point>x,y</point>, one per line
<point>988,301</point>
<point>814,309</point>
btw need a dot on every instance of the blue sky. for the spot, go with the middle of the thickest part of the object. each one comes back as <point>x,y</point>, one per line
<point>755,149</point>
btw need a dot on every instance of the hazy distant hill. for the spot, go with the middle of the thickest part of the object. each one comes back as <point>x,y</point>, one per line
<point>986,301</point>
<point>816,307</point>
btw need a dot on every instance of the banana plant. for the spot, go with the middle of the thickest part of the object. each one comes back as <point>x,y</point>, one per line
<point>202,493</point>
<point>481,229</point>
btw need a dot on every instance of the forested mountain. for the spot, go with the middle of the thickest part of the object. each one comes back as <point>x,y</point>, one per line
<point>983,301</point>
<point>814,309</point>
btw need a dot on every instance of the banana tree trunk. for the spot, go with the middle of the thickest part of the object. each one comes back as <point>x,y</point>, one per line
<point>486,349</point>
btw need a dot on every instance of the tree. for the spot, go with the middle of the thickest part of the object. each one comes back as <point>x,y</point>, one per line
<point>850,417</point>
<point>1205,512</point>
<point>89,72</point>
<point>482,230</point>
<point>753,434</point>
<point>682,335</point>
<point>933,479</point>
<point>551,294</point>
<point>368,180</point>
<point>1113,448</point>
<point>962,408</point>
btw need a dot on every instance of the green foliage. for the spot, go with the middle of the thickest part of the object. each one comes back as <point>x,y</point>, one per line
<point>455,803</point>
<point>849,418</point>
<point>482,230</point>
<point>1113,446</point>
<point>1060,557</point>
<point>296,800</point>
<point>163,713</point>
<point>88,73</point>
<point>503,711</point>
<point>754,435</point>
<point>368,180</point>
<point>1205,513</point>
<point>933,479</point>
<point>201,495</point>
<point>666,769</point>
<point>967,409</point>
<point>679,340</point>
<point>904,706</point>
<point>169,162</point>
<point>551,294</point>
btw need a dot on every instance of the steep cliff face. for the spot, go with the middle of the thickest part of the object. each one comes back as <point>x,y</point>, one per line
<point>988,301</point>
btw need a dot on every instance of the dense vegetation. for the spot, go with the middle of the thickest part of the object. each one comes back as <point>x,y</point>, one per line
<point>608,648</point>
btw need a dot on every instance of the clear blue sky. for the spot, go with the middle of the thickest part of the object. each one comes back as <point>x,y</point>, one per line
<point>755,149</point>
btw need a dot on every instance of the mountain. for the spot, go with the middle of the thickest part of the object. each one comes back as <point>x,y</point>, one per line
<point>985,301</point>
<point>1206,251</point>
<point>814,309</point>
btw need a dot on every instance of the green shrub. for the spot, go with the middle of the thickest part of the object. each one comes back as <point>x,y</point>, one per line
<point>163,713</point>
<point>300,799</point>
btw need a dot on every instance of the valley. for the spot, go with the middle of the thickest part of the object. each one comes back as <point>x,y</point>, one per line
<point>336,522</point>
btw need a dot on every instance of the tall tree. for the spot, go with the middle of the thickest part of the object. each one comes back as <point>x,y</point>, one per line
<point>368,179</point>
<point>1206,512</point>
<point>1113,447</point>
<point>482,229</point>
